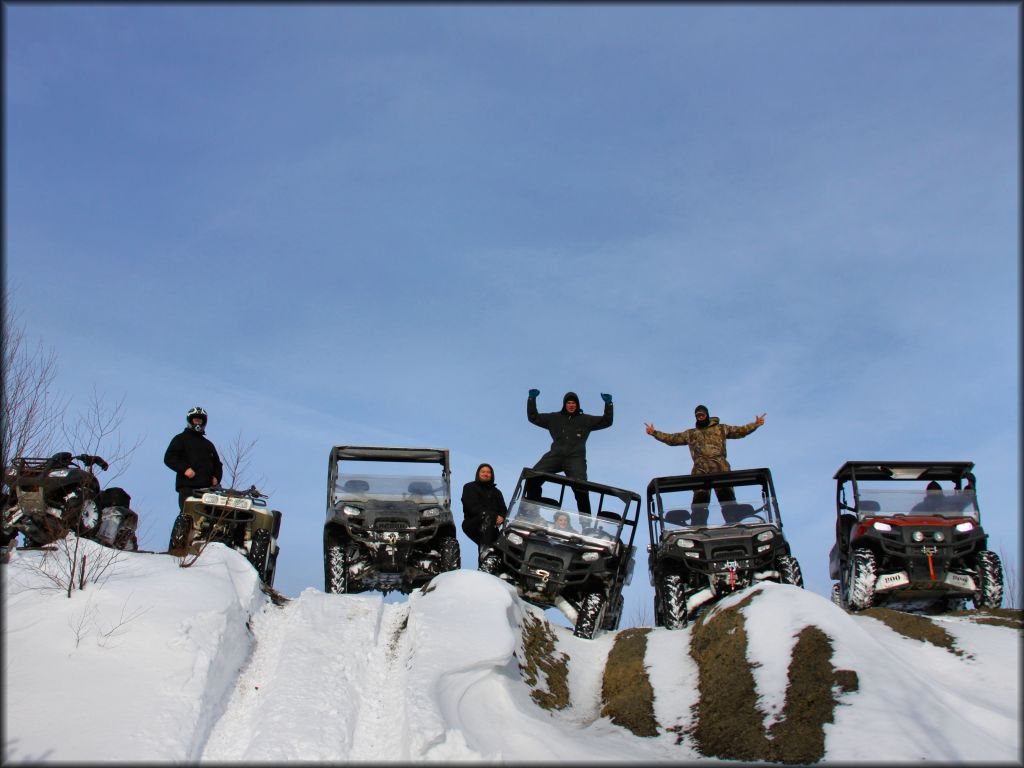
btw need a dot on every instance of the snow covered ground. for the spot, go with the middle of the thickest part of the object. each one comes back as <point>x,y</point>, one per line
<point>153,662</point>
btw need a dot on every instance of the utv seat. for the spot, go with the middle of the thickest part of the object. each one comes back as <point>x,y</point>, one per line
<point>734,513</point>
<point>614,516</point>
<point>678,516</point>
<point>869,505</point>
<point>420,488</point>
<point>355,486</point>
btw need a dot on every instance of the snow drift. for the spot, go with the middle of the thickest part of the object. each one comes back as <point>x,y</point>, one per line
<point>153,662</point>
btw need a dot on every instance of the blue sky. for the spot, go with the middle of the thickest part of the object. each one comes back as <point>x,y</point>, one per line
<point>382,225</point>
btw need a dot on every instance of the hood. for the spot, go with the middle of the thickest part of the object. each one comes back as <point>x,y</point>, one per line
<point>572,396</point>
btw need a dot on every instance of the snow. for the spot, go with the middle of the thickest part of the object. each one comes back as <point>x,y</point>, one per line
<point>155,662</point>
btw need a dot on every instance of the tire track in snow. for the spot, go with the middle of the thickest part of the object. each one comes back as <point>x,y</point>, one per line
<point>380,729</point>
<point>298,696</point>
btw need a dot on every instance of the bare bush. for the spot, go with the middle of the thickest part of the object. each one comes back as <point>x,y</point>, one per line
<point>31,414</point>
<point>98,428</point>
<point>68,568</point>
<point>1011,582</point>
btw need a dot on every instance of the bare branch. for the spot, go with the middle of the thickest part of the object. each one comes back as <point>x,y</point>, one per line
<point>30,412</point>
<point>236,460</point>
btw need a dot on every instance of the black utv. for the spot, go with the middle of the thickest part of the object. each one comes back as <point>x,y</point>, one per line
<point>389,519</point>
<point>700,552</point>
<point>909,535</point>
<point>560,557</point>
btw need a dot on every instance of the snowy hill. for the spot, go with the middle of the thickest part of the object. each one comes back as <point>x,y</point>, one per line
<point>151,661</point>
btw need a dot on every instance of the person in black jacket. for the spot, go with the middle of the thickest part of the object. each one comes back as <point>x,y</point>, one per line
<point>193,457</point>
<point>569,428</point>
<point>483,508</point>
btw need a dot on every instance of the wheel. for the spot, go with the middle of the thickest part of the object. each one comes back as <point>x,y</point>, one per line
<point>451,557</point>
<point>271,569</point>
<point>989,582</point>
<point>125,539</point>
<point>89,518</point>
<point>612,615</point>
<point>837,598</point>
<point>259,554</point>
<point>789,571</point>
<point>590,614</point>
<point>335,563</point>
<point>861,580</point>
<point>672,601</point>
<point>181,533</point>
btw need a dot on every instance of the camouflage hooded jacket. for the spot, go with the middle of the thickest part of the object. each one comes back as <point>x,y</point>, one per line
<point>707,445</point>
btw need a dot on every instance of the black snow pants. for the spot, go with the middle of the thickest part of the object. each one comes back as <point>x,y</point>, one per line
<point>573,466</point>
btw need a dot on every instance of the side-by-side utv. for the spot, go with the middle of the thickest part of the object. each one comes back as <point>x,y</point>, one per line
<point>558,556</point>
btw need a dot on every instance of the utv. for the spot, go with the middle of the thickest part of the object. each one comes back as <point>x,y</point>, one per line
<point>905,544</point>
<point>51,496</point>
<point>564,558</point>
<point>238,518</point>
<point>702,552</point>
<point>389,519</point>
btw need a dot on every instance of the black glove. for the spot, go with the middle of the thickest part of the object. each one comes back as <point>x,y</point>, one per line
<point>534,392</point>
<point>606,398</point>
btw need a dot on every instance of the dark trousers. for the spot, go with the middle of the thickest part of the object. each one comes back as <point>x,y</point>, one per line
<point>701,499</point>
<point>573,466</point>
<point>184,493</point>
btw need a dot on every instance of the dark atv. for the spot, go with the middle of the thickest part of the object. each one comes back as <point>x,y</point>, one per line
<point>905,544</point>
<point>237,518</point>
<point>566,559</point>
<point>701,552</point>
<point>389,522</point>
<point>50,497</point>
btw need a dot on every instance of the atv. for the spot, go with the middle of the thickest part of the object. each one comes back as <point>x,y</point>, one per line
<point>904,544</point>
<point>238,518</point>
<point>700,552</point>
<point>562,558</point>
<point>50,497</point>
<point>389,519</point>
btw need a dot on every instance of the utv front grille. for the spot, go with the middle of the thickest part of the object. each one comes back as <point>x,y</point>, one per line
<point>542,562</point>
<point>390,525</point>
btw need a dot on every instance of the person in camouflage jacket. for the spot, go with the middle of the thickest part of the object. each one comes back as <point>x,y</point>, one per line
<point>707,447</point>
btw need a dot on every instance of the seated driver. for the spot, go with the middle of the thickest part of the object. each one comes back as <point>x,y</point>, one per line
<point>562,522</point>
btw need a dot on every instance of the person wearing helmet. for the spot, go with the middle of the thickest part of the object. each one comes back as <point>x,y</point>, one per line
<point>569,429</point>
<point>193,457</point>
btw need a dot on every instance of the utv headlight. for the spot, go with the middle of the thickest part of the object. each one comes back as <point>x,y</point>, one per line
<point>766,536</point>
<point>515,538</point>
<point>351,511</point>
<point>686,543</point>
<point>59,472</point>
<point>590,556</point>
<point>917,536</point>
<point>431,512</point>
<point>939,536</point>
<point>965,526</point>
<point>878,525</point>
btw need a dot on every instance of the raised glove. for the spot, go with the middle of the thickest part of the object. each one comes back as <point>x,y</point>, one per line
<point>534,392</point>
<point>606,398</point>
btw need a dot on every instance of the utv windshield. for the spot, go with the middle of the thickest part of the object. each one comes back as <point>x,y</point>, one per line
<point>750,507</point>
<point>947,502</point>
<point>422,489</point>
<point>604,529</point>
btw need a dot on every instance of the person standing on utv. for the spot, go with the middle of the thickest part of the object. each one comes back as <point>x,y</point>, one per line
<point>483,508</point>
<point>193,457</point>
<point>569,428</point>
<point>707,448</point>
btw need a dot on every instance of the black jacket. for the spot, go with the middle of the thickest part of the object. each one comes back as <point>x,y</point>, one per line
<point>188,448</point>
<point>569,431</point>
<point>482,504</point>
